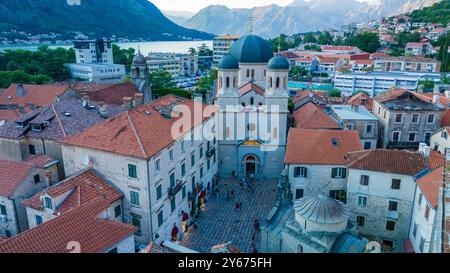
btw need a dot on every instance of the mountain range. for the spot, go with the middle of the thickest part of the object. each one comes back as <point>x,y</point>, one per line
<point>133,19</point>
<point>299,16</point>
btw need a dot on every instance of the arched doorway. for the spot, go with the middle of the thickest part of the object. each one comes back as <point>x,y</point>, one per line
<point>251,163</point>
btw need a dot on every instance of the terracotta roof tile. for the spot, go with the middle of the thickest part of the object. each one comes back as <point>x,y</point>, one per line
<point>40,95</point>
<point>84,188</point>
<point>388,161</point>
<point>113,94</point>
<point>361,99</point>
<point>307,146</point>
<point>40,160</point>
<point>310,116</point>
<point>6,114</point>
<point>81,225</point>
<point>12,174</point>
<point>445,120</point>
<point>429,185</point>
<point>140,132</point>
<point>436,160</point>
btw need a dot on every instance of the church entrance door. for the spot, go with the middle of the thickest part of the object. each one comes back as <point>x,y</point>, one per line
<point>251,165</point>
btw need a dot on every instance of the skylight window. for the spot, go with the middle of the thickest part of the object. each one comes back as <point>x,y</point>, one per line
<point>335,142</point>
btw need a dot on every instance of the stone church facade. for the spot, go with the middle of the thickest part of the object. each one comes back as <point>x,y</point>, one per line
<point>251,93</point>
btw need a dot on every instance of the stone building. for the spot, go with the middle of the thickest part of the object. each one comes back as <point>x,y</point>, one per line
<point>140,76</point>
<point>164,164</point>
<point>440,140</point>
<point>359,119</point>
<point>380,193</point>
<point>253,101</point>
<point>425,222</point>
<point>70,194</point>
<point>406,118</point>
<point>313,224</point>
<point>315,161</point>
<point>20,180</point>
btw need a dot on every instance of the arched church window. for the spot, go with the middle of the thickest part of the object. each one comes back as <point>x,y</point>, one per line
<point>243,104</point>
<point>220,82</point>
<point>270,82</point>
<point>248,73</point>
<point>285,82</point>
<point>234,82</point>
<point>278,83</point>
<point>228,82</point>
<point>252,101</point>
<point>138,73</point>
<point>253,73</point>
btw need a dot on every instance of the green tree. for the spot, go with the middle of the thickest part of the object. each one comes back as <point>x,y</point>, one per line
<point>192,51</point>
<point>325,38</point>
<point>309,38</point>
<point>123,56</point>
<point>160,80</point>
<point>366,41</point>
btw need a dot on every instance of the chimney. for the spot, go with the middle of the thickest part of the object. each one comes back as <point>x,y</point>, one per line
<point>138,99</point>
<point>425,149</point>
<point>102,110</point>
<point>128,102</point>
<point>447,94</point>
<point>85,99</point>
<point>435,99</point>
<point>20,91</point>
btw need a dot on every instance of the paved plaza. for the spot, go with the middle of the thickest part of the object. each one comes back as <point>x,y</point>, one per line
<point>220,222</point>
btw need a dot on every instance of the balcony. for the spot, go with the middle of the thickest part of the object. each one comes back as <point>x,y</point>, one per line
<point>210,152</point>
<point>402,145</point>
<point>175,189</point>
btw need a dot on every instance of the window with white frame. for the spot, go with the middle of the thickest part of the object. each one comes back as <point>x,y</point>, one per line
<point>430,118</point>
<point>398,118</point>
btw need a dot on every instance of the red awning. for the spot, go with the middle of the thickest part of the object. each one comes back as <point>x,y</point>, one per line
<point>408,246</point>
<point>174,231</point>
<point>185,216</point>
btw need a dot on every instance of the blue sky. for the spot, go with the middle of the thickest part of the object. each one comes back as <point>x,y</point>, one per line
<point>196,5</point>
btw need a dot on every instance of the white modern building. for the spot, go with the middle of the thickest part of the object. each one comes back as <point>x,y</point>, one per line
<point>221,46</point>
<point>93,51</point>
<point>440,141</point>
<point>374,83</point>
<point>98,73</point>
<point>177,65</point>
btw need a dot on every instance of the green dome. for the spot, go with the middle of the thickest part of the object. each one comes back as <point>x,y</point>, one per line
<point>278,62</point>
<point>251,49</point>
<point>228,62</point>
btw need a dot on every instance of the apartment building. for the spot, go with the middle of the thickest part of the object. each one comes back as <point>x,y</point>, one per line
<point>221,46</point>
<point>408,64</point>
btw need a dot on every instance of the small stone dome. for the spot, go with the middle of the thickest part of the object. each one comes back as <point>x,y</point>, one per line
<point>321,209</point>
<point>251,49</point>
<point>278,62</point>
<point>228,62</point>
<point>139,59</point>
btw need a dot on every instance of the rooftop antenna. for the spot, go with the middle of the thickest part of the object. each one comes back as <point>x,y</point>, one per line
<point>250,24</point>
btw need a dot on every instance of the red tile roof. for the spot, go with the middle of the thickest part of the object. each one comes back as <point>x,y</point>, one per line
<point>113,94</point>
<point>436,160</point>
<point>391,94</point>
<point>40,95</point>
<point>363,61</point>
<point>40,160</point>
<point>310,116</point>
<point>249,87</point>
<point>84,188</point>
<point>289,55</point>
<point>361,99</point>
<point>429,98</point>
<point>429,185</point>
<point>388,161</point>
<point>337,48</point>
<point>141,132</point>
<point>445,120</point>
<point>6,114</point>
<point>81,225</point>
<point>12,174</point>
<point>315,146</point>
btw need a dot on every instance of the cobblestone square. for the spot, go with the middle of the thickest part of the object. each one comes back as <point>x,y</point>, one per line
<point>220,222</point>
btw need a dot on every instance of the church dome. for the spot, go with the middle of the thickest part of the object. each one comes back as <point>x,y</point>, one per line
<point>278,62</point>
<point>139,58</point>
<point>321,209</point>
<point>251,49</point>
<point>228,62</point>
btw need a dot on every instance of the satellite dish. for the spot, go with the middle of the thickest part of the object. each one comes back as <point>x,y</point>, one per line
<point>85,160</point>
